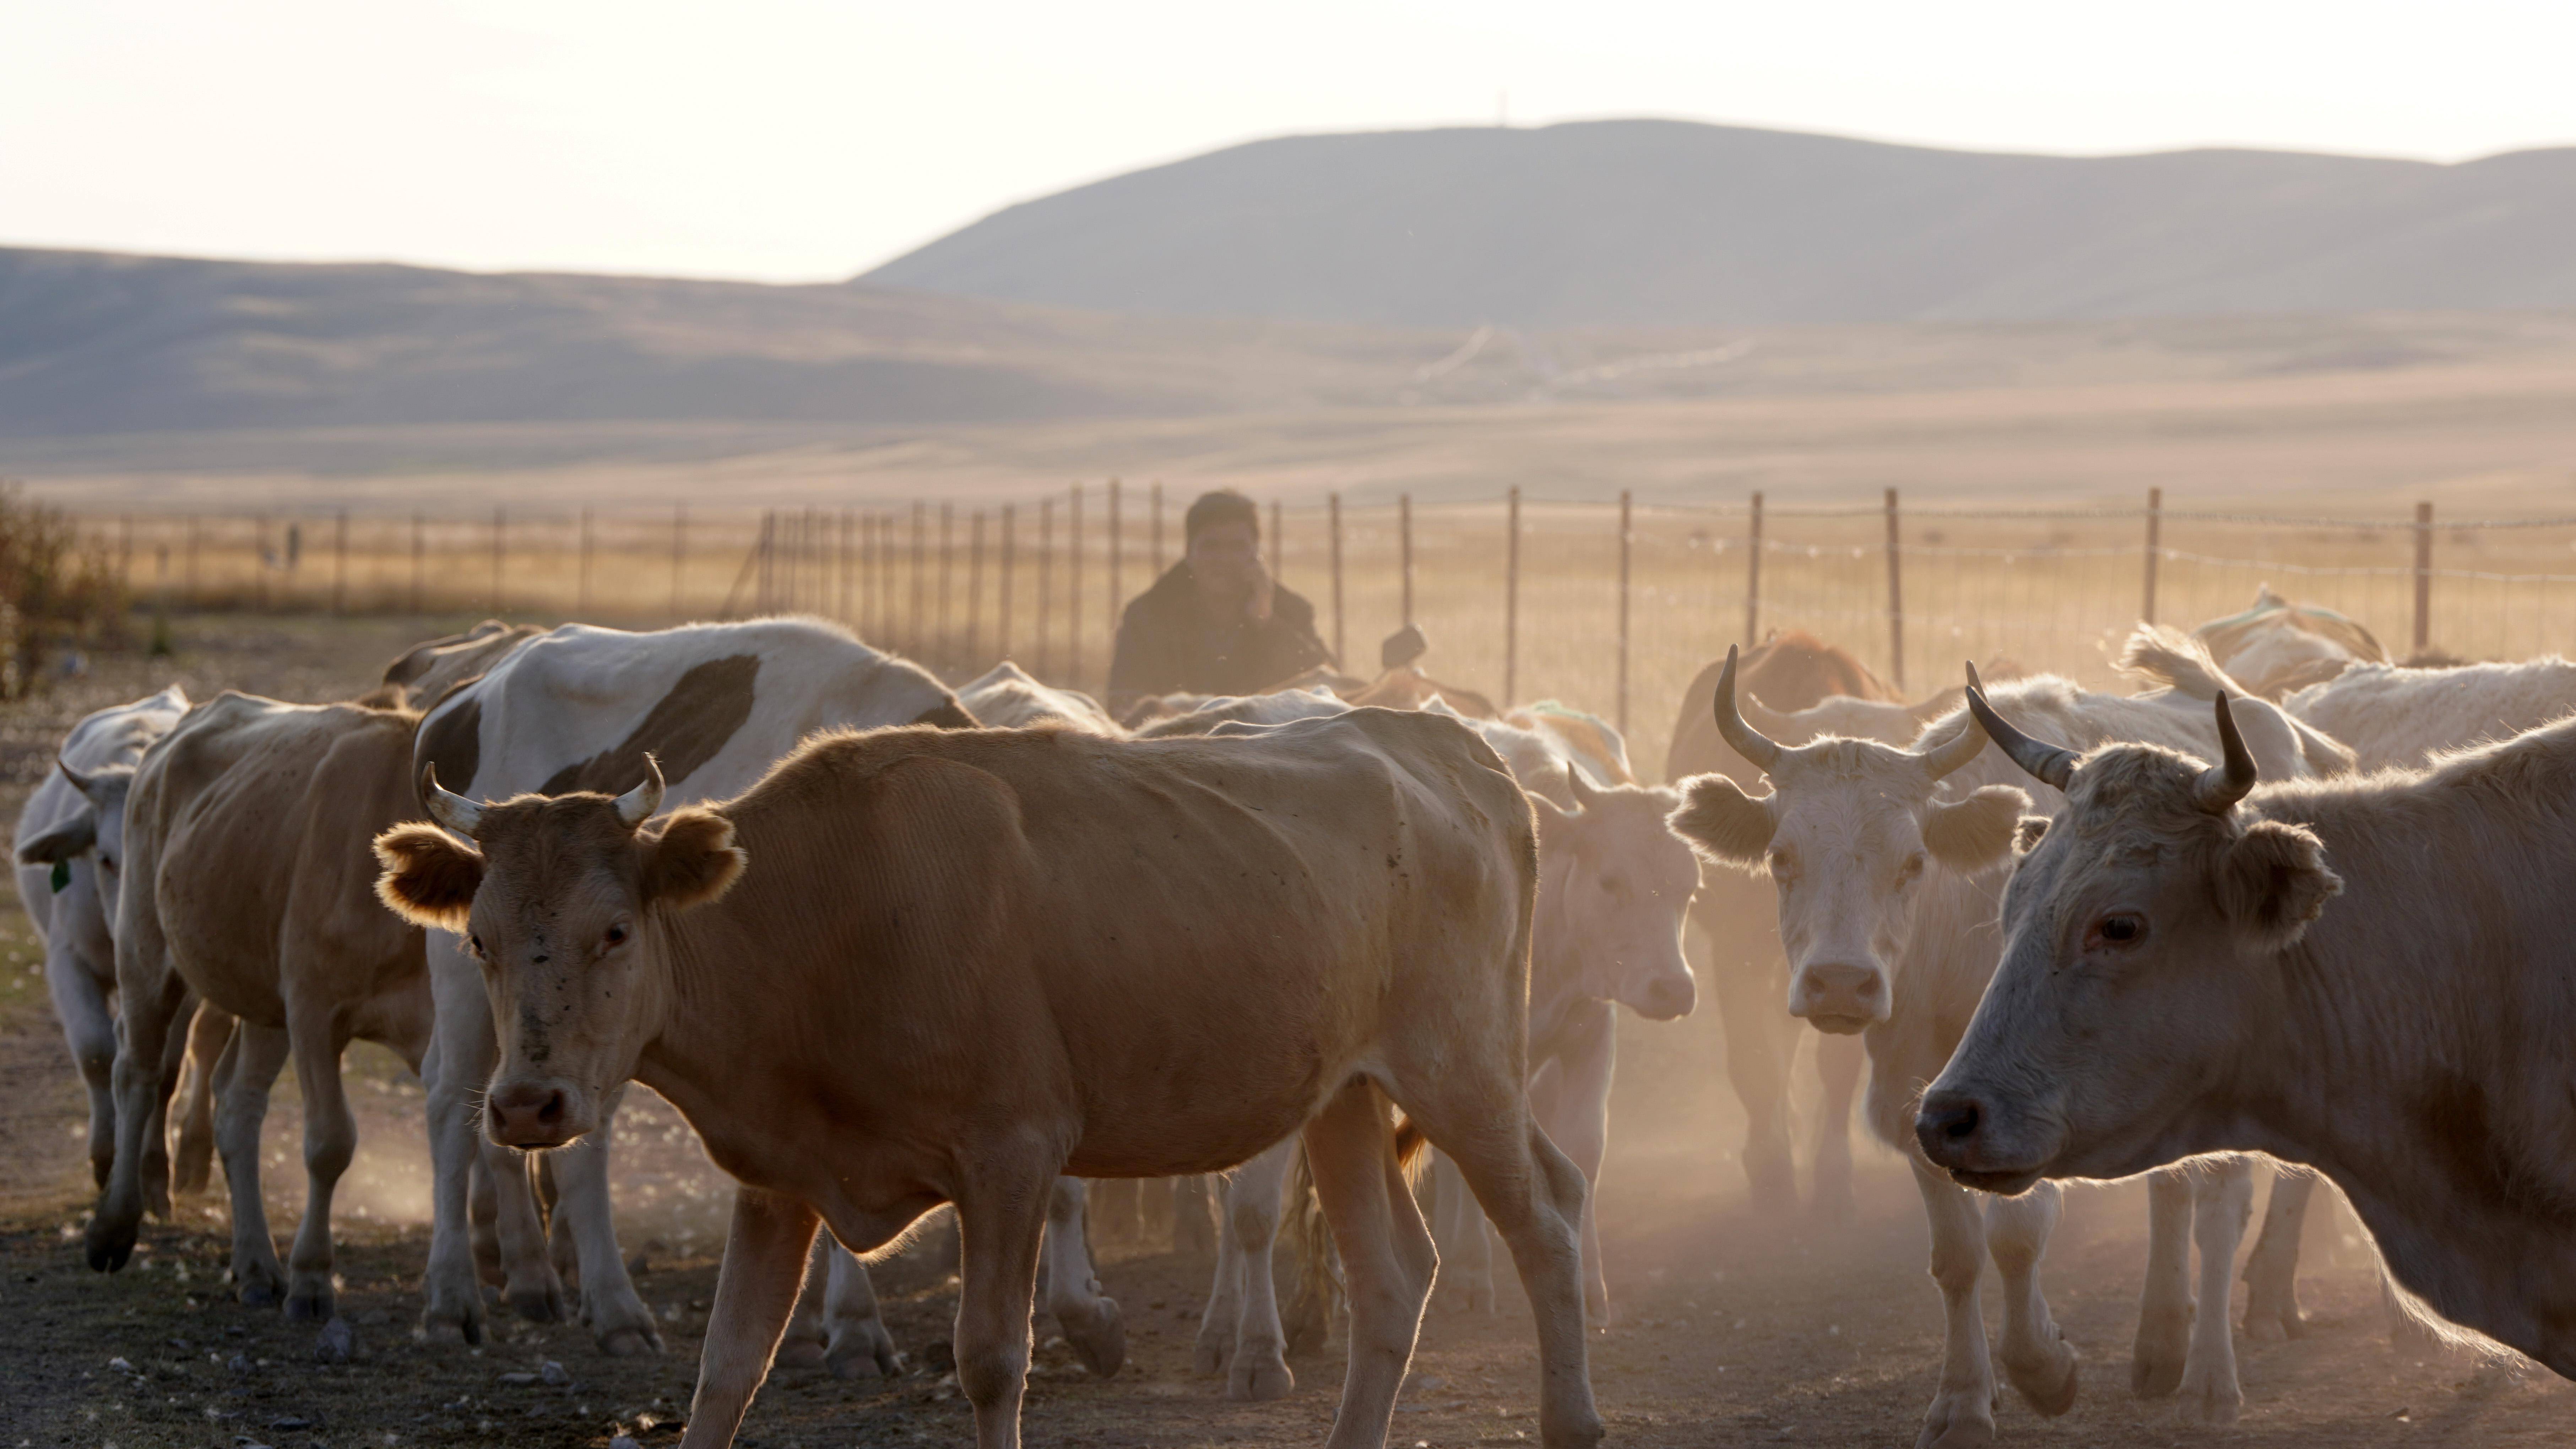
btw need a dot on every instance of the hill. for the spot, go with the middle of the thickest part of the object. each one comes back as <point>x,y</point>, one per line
<point>1664,223</point>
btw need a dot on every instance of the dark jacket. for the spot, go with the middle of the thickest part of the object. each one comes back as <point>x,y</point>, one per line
<point>1168,643</point>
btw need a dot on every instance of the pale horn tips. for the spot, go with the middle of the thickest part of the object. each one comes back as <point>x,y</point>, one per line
<point>637,805</point>
<point>2222,785</point>
<point>458,814</point>
<point>2043,762</point>
<point>1747,741</point>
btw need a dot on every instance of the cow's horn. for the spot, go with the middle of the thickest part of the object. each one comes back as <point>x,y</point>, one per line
<point>637,805</point>
<point>458,814</point>
<point>79,781</point>
<point>1577,787</point>
<point>2044,762</point>
<point>1953,754</point>
<point>2222,785</point>
<point>1747,741</point>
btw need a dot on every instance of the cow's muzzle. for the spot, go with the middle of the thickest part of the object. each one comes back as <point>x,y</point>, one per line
<point>1839,998</point>
<point>1668,997</point>
<point>535,1115</point>
<point>1958,1133</point>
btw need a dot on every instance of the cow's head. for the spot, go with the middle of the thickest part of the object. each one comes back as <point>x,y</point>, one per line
<point>93,835</point>
<point>1849,832</point>
<point>1616,885</point>
<point>560,899</point>
<point>2140,930</point>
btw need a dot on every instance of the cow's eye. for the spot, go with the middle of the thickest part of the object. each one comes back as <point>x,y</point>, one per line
<point>616,935</point>
<point>475,945</point>
<point>1784,866</point>
<point>1912,868</point>
<point>2123,929</point>
<point>107,862</point>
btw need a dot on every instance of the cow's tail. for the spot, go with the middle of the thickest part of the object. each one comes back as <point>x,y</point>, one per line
<point>2177,660</point>
<point>1318,1299</point>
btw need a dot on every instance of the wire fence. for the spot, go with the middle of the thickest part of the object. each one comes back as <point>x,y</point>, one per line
<point>1608,606</point>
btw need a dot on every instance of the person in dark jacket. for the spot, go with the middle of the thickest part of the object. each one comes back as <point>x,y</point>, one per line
<point>1216,622</point>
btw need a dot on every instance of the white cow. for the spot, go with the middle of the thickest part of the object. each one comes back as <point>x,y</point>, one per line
<point>2371,976</point>
<point>1885,864</point>
<point>1006,697</point>
<point>716,705</point>
<point>2398,717</point>
<point>70,853</point>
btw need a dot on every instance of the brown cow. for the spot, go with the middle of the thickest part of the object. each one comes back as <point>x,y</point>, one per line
<point>963,962</point>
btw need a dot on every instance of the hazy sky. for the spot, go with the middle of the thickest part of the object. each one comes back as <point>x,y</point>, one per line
<point>792,139</point>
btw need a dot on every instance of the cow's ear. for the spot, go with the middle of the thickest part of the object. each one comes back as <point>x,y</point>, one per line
<point>2027,836</point>
<point>2273,881</point>
<point>1971,834</point>
<point>1552,817</point>
<point>430,876</point>
<point>1723,823</point>
<point>693,860</point>
<point>62,841</point>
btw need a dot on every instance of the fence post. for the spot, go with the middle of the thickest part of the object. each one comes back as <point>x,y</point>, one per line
<point>196,527</point>
<point>125,551</point>
<point>2155,546</point>
<point>1278,539</point>
<point>1404,531</point>
<point>583,607</point>
<point>1046,587</point>
<point>259,557</point>
<point>761,565</point>
<point>1512,599</point>
<point>500,532</point>
<point>679,554</point>
<point>1073,590</point>
<point>1338,655</point>
<point>1627,541</point>
<point>340,562</point>
<point>1895,598</point>
<point>920,580</point>
<point>947,567</point>
<point>2423,576</point>
<point>975,589</point>
<point>1115,561</point>
<point>1158,530</point>
<point>1002,615</point>
<point>419,559</point>
<point>1753,578</point>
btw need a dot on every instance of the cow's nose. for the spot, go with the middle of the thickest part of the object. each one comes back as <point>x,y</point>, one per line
<point>527,1114</point>
<point>1947,1126</point>
<point>1669,998</point>
<point>1839,997</point>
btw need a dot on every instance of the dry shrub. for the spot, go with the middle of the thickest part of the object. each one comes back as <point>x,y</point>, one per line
<point>56,594</point>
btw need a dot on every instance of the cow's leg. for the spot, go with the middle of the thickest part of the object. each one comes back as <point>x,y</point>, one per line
<point>2165,1306</point>
<point>330,1140</point>
<point>192,1154</point>
<point>1241,1327</point>
<point>1839,1063</point>
<point>1458,1230</point>
<point>614,1311</point>
<point>1089,1319</point>
<point>156,1140</point>
<point>801,1345</point>
<point>89,1029</point>
<point>1751,992</point>
<point>764,1261</point>
<point>2222,1201</point>
<point>1963,1407</point>
<point>258,1054</point>
<point>1387,1257</point>
<point>1193,1229</point>
<point>150,997</point>
<point>1574,1109</point>
<point>1001,1218</point>
<point>1535,1197</point>
<point>460,1064</point>
<point>2272,1269</point>
<point>858,1338</point>
<point>2037,1360</point>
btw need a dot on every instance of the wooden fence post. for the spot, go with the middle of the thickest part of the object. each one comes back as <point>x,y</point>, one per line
<point>500,548</point>
<point>1002,619</point>
<point>2423,576</point>
<point>125,551</point>
<point>419,560</point>
<point>679,554</point>
<point>583,608</point>
<point>259,556</point>
<point>763,564</point>
<point>1115,561</point>
<point>1073,590</point>
<point>196,527</point>
<point>1338,655</point>
<point>1753,578</point>
<point>920,575</point>
<point>947,566</point>
<point>1046,587</point>
<point>1627,544</point>
<point>1512,599</point>
<point>975,589</point>
<point>2155,547</point>
<point>340,562</point>
<point>1895,598</point>
<point>1404,532</point>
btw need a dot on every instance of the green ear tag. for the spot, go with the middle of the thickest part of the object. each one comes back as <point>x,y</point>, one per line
<point>62,876</point>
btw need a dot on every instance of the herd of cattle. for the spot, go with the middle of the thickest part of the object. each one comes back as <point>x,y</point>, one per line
<point>888,944</point>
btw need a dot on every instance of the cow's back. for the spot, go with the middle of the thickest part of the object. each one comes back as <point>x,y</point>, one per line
<point>2395,716</point>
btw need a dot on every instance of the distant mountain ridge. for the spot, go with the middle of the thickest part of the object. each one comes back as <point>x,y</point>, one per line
<point>1669,223</point>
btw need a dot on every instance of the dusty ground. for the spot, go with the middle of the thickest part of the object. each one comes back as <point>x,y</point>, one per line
<point>1732,1330</point>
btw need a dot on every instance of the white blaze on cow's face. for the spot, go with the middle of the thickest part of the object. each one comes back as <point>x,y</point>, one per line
<point>2141,930</point>
<point>1618,885</point>
<point>558,902</point>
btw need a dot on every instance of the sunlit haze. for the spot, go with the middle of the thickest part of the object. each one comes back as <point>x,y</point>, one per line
<point>794,139</point>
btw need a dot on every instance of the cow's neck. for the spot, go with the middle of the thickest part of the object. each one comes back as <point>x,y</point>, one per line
<point>709,1002</point>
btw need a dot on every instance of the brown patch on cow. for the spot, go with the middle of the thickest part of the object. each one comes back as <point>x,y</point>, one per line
<point>453,742</point>
<point>948,714</point>
<point>684,730</point>
<point>429,879</point>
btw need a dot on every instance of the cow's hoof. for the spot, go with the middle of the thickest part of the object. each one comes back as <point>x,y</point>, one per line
<point>1958,1421</point>
<point>799,1351</point>
<point>541,1301</point>
<point>863,1348</point>
<point>109,1247</point>
<point>1098,1335</point>
<point>1579,1430</point>
<point>2047,1380</point>
<point>629,1342</point>
<point>2209,1399</point>
<point>1258,1378</point>
<point>1208,1355</point>
<point>310,1304</point>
